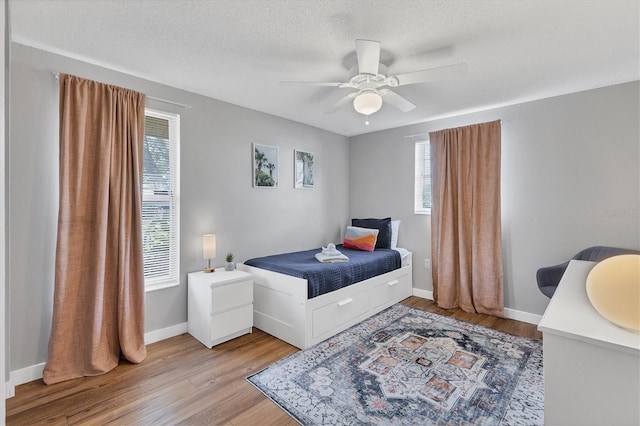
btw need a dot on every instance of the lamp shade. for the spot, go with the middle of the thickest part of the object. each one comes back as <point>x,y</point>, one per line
<point>209,246</point>
<point>367,102</point>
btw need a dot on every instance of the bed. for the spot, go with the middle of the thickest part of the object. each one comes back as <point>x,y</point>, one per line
<point>286,307</point>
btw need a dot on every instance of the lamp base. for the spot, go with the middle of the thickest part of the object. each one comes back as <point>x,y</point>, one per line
<point>209,269</point>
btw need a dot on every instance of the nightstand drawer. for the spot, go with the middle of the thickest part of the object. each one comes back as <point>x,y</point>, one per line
<point>229,296</point>
<point>227,323</point>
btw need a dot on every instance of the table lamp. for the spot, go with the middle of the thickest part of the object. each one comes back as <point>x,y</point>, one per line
<point>209,250</point>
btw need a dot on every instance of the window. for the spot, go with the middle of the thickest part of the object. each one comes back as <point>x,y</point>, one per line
<point>422,203</point>
<point>160,200</point>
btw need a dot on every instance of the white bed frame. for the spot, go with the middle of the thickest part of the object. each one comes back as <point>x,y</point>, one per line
<point>282,309</point>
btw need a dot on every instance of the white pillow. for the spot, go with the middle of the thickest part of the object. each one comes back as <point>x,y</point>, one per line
<point>395,226</point>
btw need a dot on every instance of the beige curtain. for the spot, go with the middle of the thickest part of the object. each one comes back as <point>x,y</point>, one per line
<point>465,219</point>
<point>98,306</point>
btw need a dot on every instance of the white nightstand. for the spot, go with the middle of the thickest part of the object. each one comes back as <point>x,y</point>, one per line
<point>220,305</point>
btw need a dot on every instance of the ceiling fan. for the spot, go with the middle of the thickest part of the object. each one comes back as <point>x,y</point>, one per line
<point>371,82</point>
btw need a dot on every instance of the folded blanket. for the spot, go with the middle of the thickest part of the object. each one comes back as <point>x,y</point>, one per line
<point>330,254</point>
<point>331,258</point>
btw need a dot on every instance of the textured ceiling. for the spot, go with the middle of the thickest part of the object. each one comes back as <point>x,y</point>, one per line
<point>238,51</point>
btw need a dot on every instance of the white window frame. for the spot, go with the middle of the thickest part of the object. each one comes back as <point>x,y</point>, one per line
<point>422,167</point>
<point>172,278</point>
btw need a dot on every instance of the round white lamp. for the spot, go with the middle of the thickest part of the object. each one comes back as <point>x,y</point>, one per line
<point>367,102</point>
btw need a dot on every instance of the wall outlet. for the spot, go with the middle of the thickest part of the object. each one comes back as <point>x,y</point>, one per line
<point>427,264</point>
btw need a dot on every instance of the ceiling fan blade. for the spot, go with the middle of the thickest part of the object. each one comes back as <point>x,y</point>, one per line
<point>342,102</point>
<point>432,74</point>
<point>311,83</point>
<point>396,100</point>
<point>368,53</point>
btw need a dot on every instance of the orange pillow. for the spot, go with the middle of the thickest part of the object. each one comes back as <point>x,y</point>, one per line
<point>360,238</point>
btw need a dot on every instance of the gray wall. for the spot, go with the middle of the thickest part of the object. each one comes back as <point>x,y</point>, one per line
<point>570,180</point>
<point>216,193</point>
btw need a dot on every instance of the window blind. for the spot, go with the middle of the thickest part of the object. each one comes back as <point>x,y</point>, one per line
<point>160,202</point>
<point>422,187</point>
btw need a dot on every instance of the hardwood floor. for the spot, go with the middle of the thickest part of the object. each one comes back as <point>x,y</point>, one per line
<point>182,382</point>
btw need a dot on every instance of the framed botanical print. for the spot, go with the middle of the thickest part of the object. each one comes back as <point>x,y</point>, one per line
<point>265,166</point>
<point>304,169</point>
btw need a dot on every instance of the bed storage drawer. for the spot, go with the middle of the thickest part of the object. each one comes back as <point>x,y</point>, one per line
<point>391,291</point>
<point>336,313</point>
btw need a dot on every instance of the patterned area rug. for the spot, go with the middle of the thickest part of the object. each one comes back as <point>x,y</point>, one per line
<point>405,366</point>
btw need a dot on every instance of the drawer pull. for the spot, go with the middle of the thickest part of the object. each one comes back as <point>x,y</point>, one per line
<point>392,283</point>
<point>345,302</point>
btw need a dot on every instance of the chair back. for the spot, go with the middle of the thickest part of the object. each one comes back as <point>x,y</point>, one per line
<point>600,253</point>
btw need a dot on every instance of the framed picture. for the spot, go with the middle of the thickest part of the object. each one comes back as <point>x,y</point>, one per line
<point>265,166</point>
<point>304,169</point>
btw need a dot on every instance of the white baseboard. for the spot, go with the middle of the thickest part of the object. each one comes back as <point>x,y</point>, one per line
<point>522,316</point>
<point>508,313</point>
<point>165,333</point>
<point>23,375</point>
<point>9,390</point>
<point>34,372</point>
<point>425,294</point>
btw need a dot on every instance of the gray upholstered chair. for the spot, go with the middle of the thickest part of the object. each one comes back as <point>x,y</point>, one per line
<point>549,277</point>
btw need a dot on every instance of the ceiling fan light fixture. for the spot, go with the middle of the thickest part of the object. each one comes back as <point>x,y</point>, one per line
<point>367,103</point>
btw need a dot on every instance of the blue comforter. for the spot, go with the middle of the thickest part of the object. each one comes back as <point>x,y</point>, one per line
<point>327,277</point>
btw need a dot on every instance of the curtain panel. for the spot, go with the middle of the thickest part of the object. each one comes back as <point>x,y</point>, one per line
<point>466,242</point>
<point>98,306</point>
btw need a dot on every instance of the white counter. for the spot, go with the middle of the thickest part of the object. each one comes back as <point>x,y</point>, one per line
<point>591,366</point>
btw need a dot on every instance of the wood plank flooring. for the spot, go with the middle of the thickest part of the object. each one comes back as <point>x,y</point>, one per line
<point>182,382</point>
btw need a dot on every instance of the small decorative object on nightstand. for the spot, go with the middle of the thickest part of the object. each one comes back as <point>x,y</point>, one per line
<point>209,250</point>
<point>220,305</point>
<point>229,265</point>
